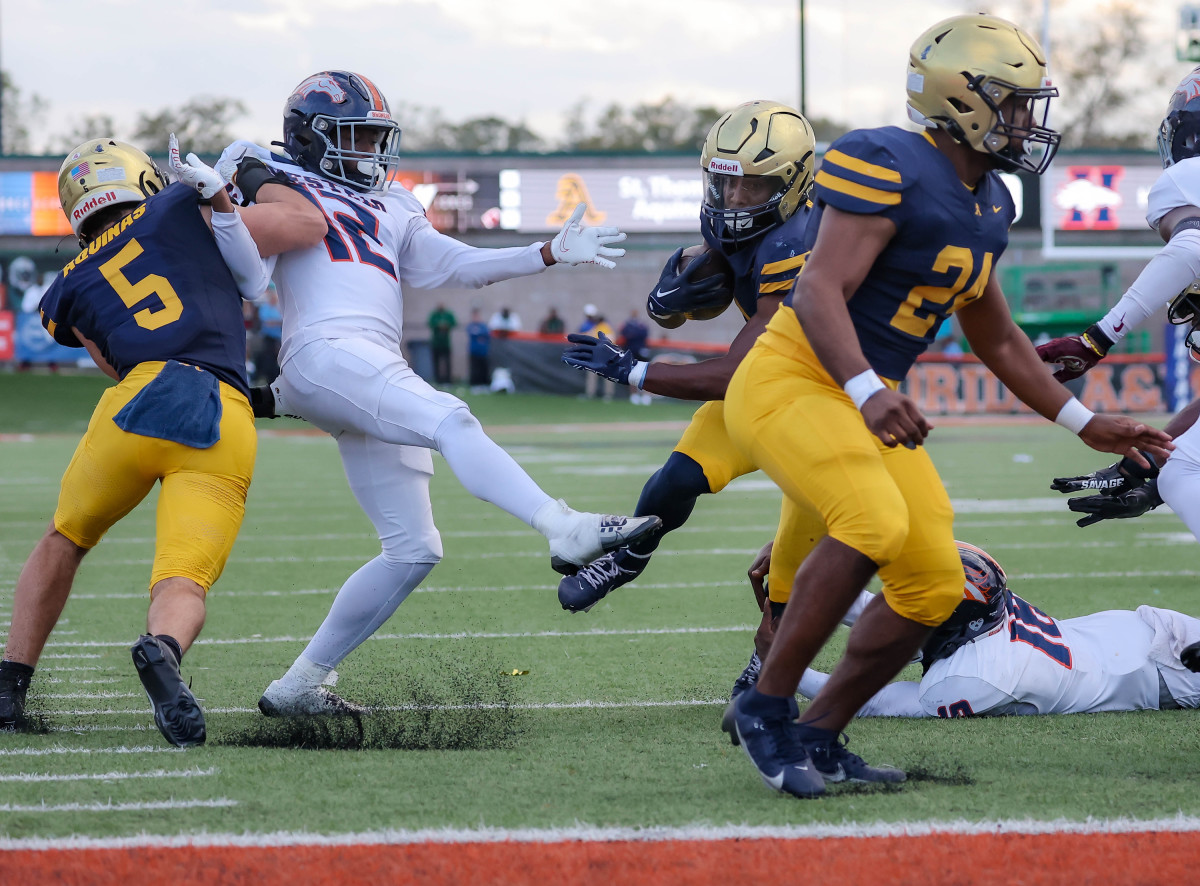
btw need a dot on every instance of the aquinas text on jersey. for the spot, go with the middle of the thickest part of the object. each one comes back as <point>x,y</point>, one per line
<point>104,239</point>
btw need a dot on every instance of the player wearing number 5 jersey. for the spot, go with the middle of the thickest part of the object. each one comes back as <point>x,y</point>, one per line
<point>998,655</point>
<point>155,295</point>
<point>907,229</point>
<point>342,368</point>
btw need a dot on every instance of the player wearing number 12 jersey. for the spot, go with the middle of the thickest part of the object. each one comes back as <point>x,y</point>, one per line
<point>907,229</point>
<point>342,368</point>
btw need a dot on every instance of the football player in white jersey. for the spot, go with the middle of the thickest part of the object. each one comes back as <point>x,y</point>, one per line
<point>998,654</point>
<point>343,371</point>
<point>1173,209</point>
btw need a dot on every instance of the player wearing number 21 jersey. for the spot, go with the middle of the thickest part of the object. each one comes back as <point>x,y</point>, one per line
<point>906,230</point>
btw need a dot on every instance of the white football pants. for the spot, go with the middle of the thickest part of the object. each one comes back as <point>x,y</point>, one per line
<point>386,419</point>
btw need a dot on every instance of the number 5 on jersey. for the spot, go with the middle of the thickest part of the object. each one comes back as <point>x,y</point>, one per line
<point>134,292</point>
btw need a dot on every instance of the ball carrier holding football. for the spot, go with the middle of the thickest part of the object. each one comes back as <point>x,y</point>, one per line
<point>757,164</point>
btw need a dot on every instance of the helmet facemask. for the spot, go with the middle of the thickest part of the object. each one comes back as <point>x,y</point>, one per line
<point>1028,146</point>
<point>341,160</point>
<point>757,164</point>
<point>738,224</point>
<point>1185,310</point>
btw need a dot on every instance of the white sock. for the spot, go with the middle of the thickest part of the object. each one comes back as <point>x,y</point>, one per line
<point>306,673</point>
<point>365,602</point>
<point>486,470</point>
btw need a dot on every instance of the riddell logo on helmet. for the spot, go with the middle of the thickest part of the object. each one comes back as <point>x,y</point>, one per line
<point>728,167</point>
<point>95,203</point>
<point>321,83</point>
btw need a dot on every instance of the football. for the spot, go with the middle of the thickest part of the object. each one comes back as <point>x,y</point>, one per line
<point>712,279</point>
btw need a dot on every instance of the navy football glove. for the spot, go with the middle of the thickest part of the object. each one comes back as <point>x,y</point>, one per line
<point>601,356</point>
<point>1124,475</point>
<point>1120,506</point>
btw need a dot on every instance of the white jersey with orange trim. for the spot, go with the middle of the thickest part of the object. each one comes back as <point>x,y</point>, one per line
<point>351,284</point>
<point>1116,660</point>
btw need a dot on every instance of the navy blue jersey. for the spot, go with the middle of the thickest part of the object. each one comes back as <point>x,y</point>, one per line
<point>948,237</point>
<point>154,287</point>
<point>769,264</point>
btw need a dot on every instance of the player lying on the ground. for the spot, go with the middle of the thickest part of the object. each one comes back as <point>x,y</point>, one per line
<point>998,654</point>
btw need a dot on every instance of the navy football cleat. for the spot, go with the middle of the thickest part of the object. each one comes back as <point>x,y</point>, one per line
<point>176,712</point>
<point>748,678</point>
<point>836,764</point>
<point>593,582</point>
<point>767,730</point>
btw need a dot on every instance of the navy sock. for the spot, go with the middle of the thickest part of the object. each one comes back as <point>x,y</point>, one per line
<point>15,673</point>
<point>816,735</point>
<point>761,705</point>
<point>172,644</point>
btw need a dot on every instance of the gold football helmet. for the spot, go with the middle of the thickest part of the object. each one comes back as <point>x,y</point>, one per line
<point>101,173</point>
<point>758,169</point>
<point>962,70</point>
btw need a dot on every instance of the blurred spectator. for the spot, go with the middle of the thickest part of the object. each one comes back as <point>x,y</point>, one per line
<point>634,334</point>
<point>552,324</point>
<point>478,343</point>
<point>504,322</point>
<point>441,322</point>
<point>250,320</point>
<point>27,294</point>
<point>270,337</point>
<point>594,324</point>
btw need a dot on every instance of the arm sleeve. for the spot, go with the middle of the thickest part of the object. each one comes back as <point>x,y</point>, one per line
<point>237,247</point>
<point>1168,274</point>
<point>900,699</point>
<point>430,260</point>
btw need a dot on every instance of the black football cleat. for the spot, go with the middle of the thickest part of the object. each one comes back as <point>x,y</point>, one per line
<point>12,703</point>
<point>176,712</point>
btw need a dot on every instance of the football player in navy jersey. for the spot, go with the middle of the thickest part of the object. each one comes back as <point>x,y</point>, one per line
<point>155,296</point>
<point>757,164</point>
<point>907,228</point>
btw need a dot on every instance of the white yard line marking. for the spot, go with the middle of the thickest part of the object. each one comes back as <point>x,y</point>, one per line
<point>110,776</point>
<point>459,635</point>
<point>589,833</point>
<point>57,751</point>
<point>586,704</point>
<point>432,589</point>
<point>219,803</point>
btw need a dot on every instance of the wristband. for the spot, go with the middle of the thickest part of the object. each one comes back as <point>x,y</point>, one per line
<point>1074,416</point>
<point>637,375</point>
<point>862,387</point>
<point>252,174</point>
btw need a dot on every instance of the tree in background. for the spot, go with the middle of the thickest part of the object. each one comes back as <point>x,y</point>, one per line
<point>203,124</point>
<point>426,130</point>
<point>22,115</point>
<point>1105,74</point>
<point>665,126</point>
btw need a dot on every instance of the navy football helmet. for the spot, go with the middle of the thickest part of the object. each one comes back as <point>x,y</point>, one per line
<point>985,598</point>
<point>326,121</point>
<point>1179,132</point>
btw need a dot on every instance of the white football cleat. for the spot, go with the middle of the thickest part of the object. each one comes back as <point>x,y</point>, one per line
<point>583,537</point>
<point>283,700</point>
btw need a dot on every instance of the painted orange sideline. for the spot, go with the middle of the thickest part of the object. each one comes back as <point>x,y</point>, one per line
<point>1012,859</point>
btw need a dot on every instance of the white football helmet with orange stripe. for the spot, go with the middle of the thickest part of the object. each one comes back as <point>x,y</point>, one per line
<point>338,125</point>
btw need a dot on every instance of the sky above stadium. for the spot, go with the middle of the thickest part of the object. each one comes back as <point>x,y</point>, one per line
<point>522,60</point>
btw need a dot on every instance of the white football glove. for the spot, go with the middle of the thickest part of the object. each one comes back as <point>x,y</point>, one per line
<point>576,244</point>
<point>194,174</point>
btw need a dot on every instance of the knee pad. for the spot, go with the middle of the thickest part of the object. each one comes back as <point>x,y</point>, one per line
<point>680,477</point>
<point>928,597</point>
<point>881,536</point>
<point>460,420</point>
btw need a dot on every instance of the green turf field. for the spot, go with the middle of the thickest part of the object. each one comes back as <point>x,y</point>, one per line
<point>505,711</point>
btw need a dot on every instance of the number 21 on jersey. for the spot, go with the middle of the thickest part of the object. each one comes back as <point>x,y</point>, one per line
<point>935,301</point>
